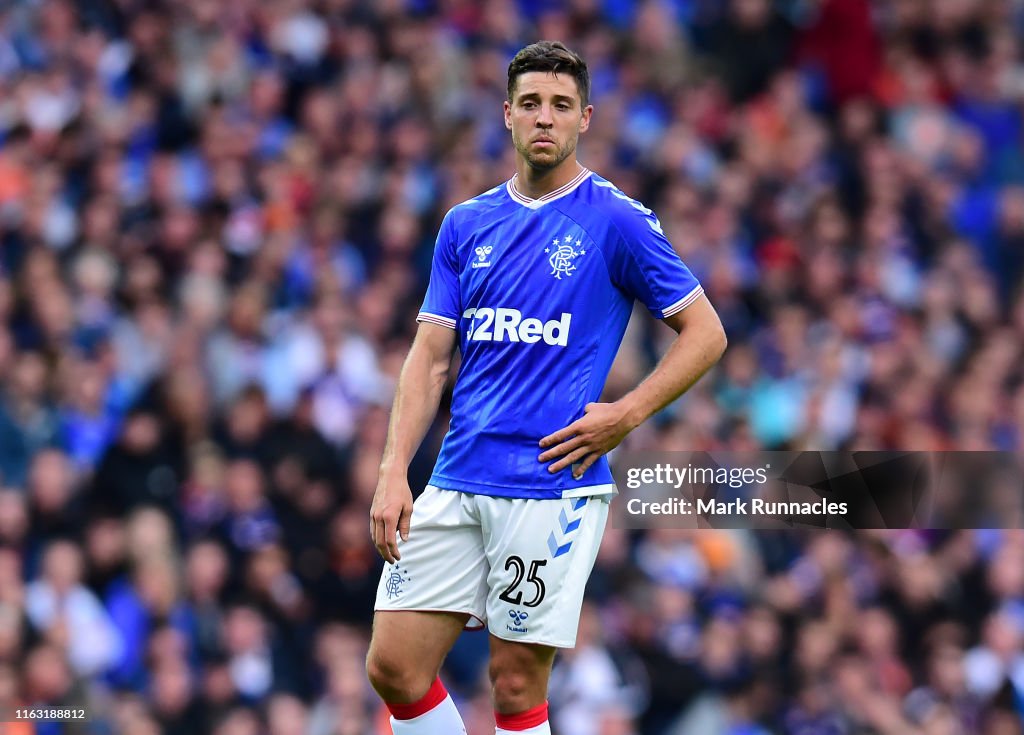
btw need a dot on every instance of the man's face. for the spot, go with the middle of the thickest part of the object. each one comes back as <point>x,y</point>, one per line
<point>546,118</point>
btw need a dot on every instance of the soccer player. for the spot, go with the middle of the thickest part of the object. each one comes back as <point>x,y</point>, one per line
<point>534,281</point>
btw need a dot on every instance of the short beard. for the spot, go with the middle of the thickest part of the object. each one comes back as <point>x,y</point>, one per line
<point>545,165</point>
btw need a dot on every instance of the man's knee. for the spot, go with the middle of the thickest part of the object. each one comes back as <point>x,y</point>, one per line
<point>406,651</point>
<point>519,677</point>
<point>510,684</point>
<point>395,679</point>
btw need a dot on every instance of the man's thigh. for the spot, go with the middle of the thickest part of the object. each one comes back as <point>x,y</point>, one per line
<point>540,553</point>
<point>443,567</point>
<point>415,640</point>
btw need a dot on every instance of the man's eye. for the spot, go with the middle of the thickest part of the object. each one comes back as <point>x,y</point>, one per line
<point>563,108</point>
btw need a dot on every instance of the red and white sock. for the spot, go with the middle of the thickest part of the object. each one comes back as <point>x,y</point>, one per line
<point>531,722</point>
<point>434,714</point>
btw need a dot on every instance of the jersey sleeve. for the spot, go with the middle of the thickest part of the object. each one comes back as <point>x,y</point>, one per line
<point>644,264</point>
<point>441,305</point>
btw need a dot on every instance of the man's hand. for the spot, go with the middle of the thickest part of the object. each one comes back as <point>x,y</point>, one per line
<point>390,515</point>
<point>602,428</point>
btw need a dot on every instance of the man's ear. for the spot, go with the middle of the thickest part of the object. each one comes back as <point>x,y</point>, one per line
<point>585,121</point>
<point>508,115</point>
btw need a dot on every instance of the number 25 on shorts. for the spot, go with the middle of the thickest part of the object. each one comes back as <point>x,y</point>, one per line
<point>514,596</point>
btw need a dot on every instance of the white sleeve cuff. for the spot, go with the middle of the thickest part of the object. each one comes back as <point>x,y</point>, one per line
<point>443,321</point>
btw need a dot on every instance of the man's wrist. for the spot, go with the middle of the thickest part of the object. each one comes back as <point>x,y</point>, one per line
<point>633,414</point>
<point>393,468</point>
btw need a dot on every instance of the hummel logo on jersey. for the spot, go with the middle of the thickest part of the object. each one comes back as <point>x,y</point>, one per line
<point>481,256</point>
<point>508,324</point>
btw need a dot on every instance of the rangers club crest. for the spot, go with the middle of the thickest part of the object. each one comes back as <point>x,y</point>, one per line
<point>395,580</point>
<point>562,255</point>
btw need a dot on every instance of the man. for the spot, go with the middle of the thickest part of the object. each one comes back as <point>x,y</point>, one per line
<point>535,280</point>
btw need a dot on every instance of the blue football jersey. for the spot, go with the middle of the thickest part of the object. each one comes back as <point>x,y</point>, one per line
<point>540,292</point>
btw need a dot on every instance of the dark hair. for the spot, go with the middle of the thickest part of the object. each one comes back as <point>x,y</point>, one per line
<point>550,56</point>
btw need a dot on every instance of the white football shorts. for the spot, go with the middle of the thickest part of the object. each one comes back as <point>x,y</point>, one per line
<point>516,565</point>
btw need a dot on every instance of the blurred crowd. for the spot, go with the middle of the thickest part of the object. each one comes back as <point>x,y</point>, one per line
<point>216,222</point>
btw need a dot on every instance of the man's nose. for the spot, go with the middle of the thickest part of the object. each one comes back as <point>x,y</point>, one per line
<point>544,117</point>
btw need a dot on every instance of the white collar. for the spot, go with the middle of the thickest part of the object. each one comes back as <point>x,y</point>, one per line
<point>551,195</point>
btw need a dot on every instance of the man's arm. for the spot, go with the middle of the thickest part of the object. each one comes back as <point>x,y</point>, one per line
<point>416,400</point>
<point>699,344</point>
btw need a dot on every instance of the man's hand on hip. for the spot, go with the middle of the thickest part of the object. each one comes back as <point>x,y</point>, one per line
<point>602,428</point>
<point>390,515</point>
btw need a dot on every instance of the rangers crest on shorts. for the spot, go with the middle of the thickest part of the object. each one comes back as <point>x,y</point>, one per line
<point>395,578</point>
